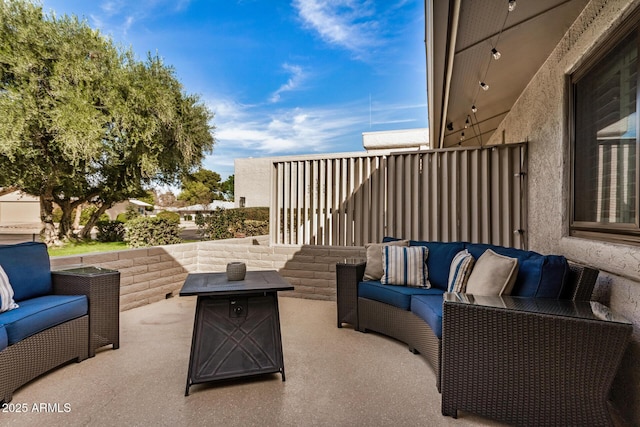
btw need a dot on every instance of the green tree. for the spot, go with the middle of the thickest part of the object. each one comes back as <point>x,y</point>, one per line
<point>228,187</point>
<point>201,187</point>
<point>82,120</point>
<point>196,193</point>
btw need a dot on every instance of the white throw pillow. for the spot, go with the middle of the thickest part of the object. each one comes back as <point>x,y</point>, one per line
<point>493,274</point>
<point>6,293</point>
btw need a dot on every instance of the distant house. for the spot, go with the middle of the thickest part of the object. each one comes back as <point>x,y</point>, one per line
<point>19,208</point>
<point>195,209</point>
<point>140,206</point>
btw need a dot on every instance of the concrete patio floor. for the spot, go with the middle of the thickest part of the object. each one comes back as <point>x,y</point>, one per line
<point>335,377</point>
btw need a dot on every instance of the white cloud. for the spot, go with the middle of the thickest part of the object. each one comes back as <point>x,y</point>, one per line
<point>349,24</point>
<point>259,131</point>
<point>297,78</point>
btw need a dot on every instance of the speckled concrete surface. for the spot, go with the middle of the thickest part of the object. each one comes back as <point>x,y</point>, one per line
<point>335,377</point>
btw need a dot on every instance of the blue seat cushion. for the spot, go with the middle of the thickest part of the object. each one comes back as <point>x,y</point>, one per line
<point>28,269</point>
<point>429,309</point>
<point>439,260</point>
<point>37,314</point>
<point>4,341</point>
<point>397,296</point>
<point>541,276</point>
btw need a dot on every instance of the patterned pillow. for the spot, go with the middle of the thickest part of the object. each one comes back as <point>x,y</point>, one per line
<point>460,270</point>
<point>373,270</point>
<point>405,266</point>
<point>6,293</point>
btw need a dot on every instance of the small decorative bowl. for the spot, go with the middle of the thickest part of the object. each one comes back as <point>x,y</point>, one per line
<point>236,271</point>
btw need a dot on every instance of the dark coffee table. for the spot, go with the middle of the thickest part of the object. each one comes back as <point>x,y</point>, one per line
<point>236,331</point>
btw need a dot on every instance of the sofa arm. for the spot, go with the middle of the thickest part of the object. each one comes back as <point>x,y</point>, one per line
<point>582,280</point>
<point>348,275</point>
<point>102,288</point>
<point>499,352</point>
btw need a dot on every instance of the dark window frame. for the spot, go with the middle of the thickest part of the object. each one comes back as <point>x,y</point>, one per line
<point>614,232</point>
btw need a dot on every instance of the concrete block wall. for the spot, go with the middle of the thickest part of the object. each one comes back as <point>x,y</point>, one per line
<point>311,269</point>
<point>152,274</point>
<point>146,275</point>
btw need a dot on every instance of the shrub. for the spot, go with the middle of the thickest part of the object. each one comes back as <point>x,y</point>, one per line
<point>227,223</point>
<point>168,215</point>
<point>222,223</point>
<point>256,228</point>
<point>122,217</point>
<point>151,231</point>
<point>110,231</point>
<point>257,214</point>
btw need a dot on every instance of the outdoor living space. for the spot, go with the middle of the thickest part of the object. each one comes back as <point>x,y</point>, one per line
<point>334,377</point>
<point>544,161</point>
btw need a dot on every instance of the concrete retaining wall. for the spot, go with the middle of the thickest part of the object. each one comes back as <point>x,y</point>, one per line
<point>153,274</point>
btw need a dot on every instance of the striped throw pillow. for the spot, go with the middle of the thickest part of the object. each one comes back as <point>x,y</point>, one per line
<point>405,266</point>
<point>6,293</point>
<point>460,270</point>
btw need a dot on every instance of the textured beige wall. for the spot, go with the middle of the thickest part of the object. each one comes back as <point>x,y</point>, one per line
<point>253,181</point>
<point>540,116</point>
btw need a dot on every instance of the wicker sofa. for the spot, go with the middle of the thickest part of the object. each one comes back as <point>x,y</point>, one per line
<point>48,328</point>
<point>414,316</point>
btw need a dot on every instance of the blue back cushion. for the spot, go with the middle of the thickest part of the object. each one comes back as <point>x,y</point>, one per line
<point>542,276</point>
<point>439,260</point>
<point>27,266</point>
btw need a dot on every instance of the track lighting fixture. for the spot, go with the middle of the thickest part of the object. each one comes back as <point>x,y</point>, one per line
<point>495,53</point>
<point>484,86</point>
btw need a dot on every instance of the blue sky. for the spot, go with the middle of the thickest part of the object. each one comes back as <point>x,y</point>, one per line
<point>282,76</point>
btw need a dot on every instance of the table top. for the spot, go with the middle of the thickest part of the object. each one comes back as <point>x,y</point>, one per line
<point>588,310</point>
<point>85,271</point>
<point>217,284</point>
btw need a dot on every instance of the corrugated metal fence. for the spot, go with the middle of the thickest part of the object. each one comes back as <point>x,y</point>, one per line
<point>476,195</point>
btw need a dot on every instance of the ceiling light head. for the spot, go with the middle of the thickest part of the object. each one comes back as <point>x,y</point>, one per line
<point>484,86</point>
<point>466,123</point>
<point>474,109</point>
<point>462,137</point>
<point>512,5</point>
<point>495,53</point>
<point>450,126</point>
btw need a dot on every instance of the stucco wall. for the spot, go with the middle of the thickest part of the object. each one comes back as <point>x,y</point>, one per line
<point>540,116</point>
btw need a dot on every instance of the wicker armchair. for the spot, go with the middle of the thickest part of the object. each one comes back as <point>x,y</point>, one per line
<point>73,340</point>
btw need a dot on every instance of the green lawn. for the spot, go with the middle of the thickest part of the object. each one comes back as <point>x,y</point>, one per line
<point>86,247</point>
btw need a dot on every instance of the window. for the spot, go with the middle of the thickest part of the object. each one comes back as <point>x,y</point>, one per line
<point>605,142</point>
